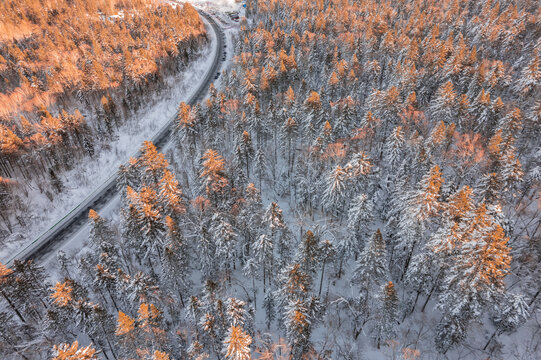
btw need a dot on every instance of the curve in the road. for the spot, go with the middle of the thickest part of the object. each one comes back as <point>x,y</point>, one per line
<point>106,191</point>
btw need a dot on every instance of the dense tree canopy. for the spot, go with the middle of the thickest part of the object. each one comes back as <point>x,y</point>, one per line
<point>366,178</point>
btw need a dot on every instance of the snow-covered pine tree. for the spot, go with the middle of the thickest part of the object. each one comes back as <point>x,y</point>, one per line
<point>10,334</point>
<point>393,150</point>
<point>26,286</point>
<point>268,305</point>
<point>509,314</point>
<point>141,288</point>
<point>309,252</point>
<point>289,134</point>
<point>298,326</point>
<point>101,235</point>
<point>444,105</point>
<point>263,256</point>
<point>260,161</point>
<point>186,127</point>
<point>511,169</point>
<point>360,219</point>
<point>327,254</point>
<point>292,283</point>
<point>314,118</point>
<point>170,195</point>
<point>386,323</point>
<point>175,259</point>
<point>489,188</point>
<point>152,163</point>
<point>237,344</point>
<point>429,266</point>
<point>418,206</point>
<point>212,175</point>
<point>225,239</point>
<point>481,108</point>
<point>236,312</point>
<point>530,78</point>
<point>206,249</point>
<point>273,220</point>
<point>475,279</point>
<point>437,138</point>
<point>144,222</point>
<point>346,118</point>
<point>248,221</point>
<point>74,352</point>
<point>372,267</point>
<point>335,190</point>
<point>128,175</point>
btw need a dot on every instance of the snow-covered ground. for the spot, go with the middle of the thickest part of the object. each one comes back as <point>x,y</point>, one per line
<point>218,5</point>
<point>89,174</point>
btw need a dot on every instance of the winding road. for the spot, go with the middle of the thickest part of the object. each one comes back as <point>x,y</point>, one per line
<point>54,238</point>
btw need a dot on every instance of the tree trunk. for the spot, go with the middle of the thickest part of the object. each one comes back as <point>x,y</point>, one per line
<point>255,292</point>
<point>181,299</point>
<point>414,303</point>
<point>490,339</point>
<point>408,259</point>
<point>264,276</point>
<point>12,306</point>
<point>321,280</point>
<point>534,297</point>
<point>428,298</point>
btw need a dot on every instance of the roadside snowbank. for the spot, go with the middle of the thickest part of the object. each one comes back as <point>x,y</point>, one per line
<point>220,5</point>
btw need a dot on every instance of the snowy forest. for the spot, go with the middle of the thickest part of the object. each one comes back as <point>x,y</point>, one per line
<point>362,183</point>
<point>71,73</point>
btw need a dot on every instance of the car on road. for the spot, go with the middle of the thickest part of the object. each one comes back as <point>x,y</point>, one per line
<point>233,15</point>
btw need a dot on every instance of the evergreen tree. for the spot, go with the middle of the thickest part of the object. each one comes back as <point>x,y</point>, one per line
<point>309,252</point>
<point>326,254</point>
<point>264,257</point>
<point>261,165</point>
<point>186,127</point>
<point>394,148</point>
<point>418,206</point>
<point>475,278</point>
<point>444,105</point>
<point>530,78</point>
<point>510,313</point>
<point>213,174</point>
<point>372,263</point>
<point>225,241</point>
<point>360,218</point>
<point>268,305</point>
<point>237,344</point>
<point>387,320</point>
<point>170,195</point>
<point>73,352</point>
<point>428,267</point>
<point>236,312</point>
<point>175,259</point>
<point>298,327</point>
<point>273,219</point>
<point>289,136</point>
<point>335,189</point>
<point>292,284</point>
<point>144,221</point>
<point>6,288</point>
<point>101,234</point>
<point>28,289</point>
<point>245,152</point>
